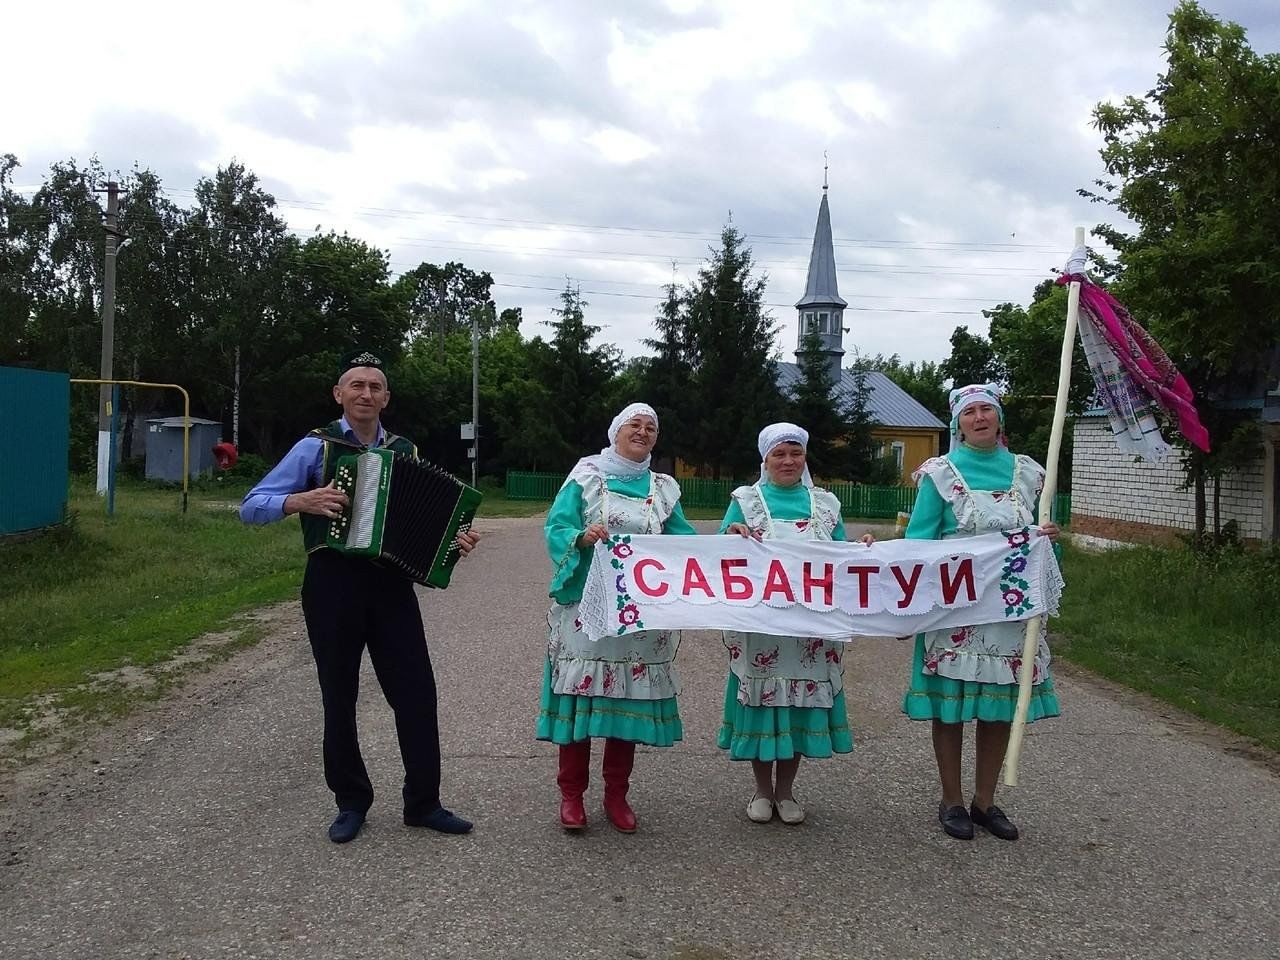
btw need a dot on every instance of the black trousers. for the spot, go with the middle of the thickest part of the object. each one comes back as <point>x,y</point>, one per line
<point>350,604</point>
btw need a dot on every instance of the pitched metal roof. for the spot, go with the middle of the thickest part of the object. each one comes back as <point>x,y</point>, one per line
<point>820,288</point>
<point>889,404</point>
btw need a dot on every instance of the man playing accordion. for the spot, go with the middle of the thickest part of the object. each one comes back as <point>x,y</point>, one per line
<point>353,602</point>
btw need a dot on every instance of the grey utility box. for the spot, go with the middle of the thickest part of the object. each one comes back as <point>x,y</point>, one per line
<point>164,447</point>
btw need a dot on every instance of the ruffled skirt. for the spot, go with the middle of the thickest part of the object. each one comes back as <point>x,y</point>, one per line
<point>935,697</point>
<point>566,718</point>
<point>780,733</point>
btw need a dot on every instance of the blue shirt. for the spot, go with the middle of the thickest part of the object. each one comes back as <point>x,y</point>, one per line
<point>297,472</point>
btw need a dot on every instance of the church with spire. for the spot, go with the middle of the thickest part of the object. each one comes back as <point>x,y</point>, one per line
<point>904,428</point>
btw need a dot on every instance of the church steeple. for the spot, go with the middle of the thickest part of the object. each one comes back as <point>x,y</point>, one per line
<point>821,309</point>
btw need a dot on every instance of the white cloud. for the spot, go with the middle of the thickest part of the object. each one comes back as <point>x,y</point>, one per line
<point>620,146</point>
<point>602,142</point>
<point>804,103</point>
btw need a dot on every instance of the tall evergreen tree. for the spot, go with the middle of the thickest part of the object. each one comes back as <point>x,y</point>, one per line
<point>815,406</point>
<point>861,458</point>
<point>666,376</point>
<point>577,377</point>
<point>735,375</point>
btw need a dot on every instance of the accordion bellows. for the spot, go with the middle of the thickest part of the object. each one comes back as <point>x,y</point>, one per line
<point>403,512</point>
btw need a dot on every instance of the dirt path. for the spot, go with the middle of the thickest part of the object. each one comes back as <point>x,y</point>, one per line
<point>195,828</point>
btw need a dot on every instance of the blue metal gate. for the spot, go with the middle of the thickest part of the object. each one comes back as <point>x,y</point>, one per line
<point>34,441</point>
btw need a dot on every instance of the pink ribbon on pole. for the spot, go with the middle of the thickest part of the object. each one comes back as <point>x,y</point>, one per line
<point>1149,370</point>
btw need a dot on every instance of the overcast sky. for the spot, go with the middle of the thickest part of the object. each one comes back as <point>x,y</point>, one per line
<point>602,141</point>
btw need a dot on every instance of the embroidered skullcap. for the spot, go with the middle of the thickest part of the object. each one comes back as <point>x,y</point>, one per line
<point>361,358</point>
<point>962,397</point>
<point>629,411</point>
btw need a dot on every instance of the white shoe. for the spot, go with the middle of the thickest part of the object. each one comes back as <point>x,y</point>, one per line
<point>760,810</point>
<point>790,812</point>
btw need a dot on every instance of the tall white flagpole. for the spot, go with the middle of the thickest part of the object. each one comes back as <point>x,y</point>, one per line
<point>1032,639</point>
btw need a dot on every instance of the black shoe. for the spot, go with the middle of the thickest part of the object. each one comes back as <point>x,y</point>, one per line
<point>995,822</point>
<point>440,819</point>
<point>955,821</point>
<point>345,828</point>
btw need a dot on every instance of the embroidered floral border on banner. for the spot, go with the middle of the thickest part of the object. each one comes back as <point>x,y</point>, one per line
<point>1015,590</point>
<point>628,612</point>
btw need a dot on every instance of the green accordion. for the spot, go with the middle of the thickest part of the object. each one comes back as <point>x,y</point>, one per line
<point>402,512</point>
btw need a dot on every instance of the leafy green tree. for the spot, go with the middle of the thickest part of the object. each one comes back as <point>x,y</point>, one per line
<point>442,299</point>
<point>510,318</point>
<point>337,297</point>
<point>972,359</point>
<point>924,381</point>
<point>18,274</point>
<point>238,252</point>
<point>150,299</point>
<point>734,389</point>
<point>1192,163</point>
<point>1028,345</point>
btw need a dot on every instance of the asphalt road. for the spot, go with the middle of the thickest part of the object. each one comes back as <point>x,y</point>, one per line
<point>197,827</point>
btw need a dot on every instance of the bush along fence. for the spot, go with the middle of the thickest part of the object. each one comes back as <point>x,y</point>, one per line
<point>856,500</point>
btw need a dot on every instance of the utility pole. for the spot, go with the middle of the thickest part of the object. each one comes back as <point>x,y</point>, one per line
<point>475,392</point>
<point>105,447</point>
<point>235,405</point>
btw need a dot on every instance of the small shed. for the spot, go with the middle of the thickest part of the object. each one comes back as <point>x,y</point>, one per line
<point>164,447</point>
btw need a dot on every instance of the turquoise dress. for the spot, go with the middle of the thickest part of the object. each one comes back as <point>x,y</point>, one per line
<point>967,492</point>
<point>785,695</point>
<point>622,687</point>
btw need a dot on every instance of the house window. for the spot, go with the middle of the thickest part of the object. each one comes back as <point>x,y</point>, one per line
<point>892,448</point>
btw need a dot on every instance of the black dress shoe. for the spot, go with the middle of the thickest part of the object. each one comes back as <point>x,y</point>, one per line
<point>345,828</point>
<point>955,821</point>
<point>440,819</point>
<point>995,822</point>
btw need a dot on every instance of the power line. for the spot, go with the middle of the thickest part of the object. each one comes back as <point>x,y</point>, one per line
<point>977,246</point>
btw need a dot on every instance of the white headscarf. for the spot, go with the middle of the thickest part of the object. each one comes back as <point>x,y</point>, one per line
<point>608,462</point>
<point>777,433</point>
<point>962,397</point>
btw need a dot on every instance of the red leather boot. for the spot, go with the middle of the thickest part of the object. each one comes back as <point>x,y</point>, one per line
<point>575,770</point>
<point>619,758</point>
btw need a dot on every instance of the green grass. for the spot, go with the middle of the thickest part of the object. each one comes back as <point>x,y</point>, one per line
<point>103,592</point>
<point>1202,634</point>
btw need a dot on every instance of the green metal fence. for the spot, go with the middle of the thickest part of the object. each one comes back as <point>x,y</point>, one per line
<point>33,470</point>
<point>532,486</point>
<point>856,500</point>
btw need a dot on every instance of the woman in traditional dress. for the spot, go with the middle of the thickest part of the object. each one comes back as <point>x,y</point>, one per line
<point>971,673</point>
<point>784,698</point>
<point>622,689</point>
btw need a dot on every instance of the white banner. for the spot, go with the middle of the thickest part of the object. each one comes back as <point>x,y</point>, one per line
<point>836,591</point>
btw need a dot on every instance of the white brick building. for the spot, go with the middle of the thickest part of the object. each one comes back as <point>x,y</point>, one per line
<point>1118,496</point>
